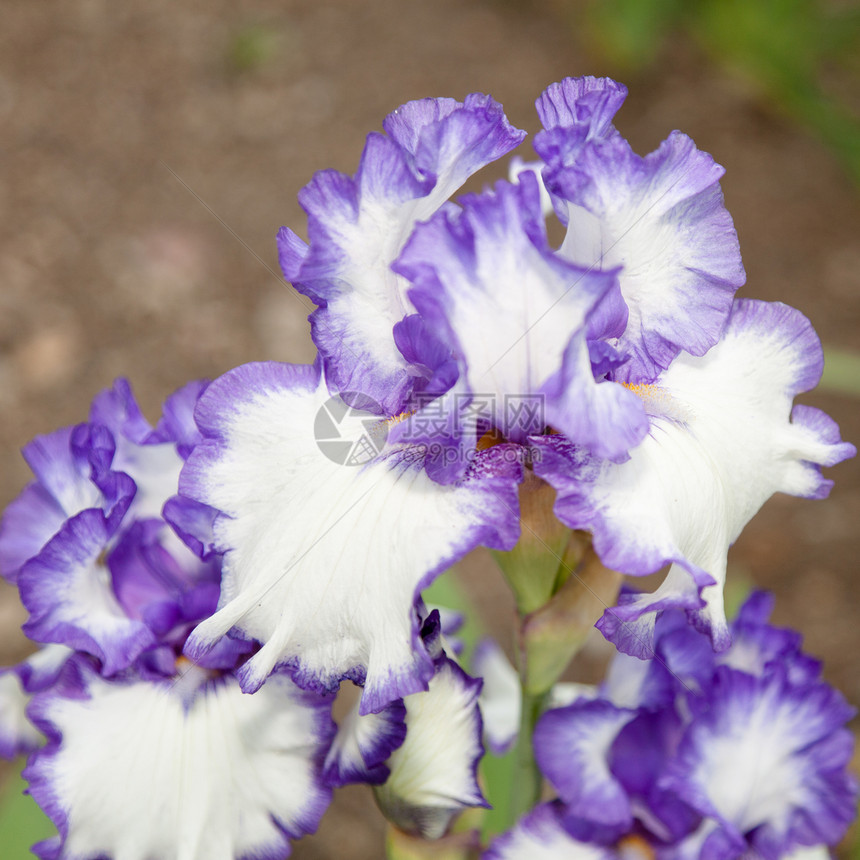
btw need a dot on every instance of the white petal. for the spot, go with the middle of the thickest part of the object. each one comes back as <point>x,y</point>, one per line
<point>433,774</point>
<point>723,439</point>
<point>141,772</point>
<point>325,560</point>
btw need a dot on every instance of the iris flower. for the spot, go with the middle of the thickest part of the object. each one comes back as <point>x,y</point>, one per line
<point>464,352</point>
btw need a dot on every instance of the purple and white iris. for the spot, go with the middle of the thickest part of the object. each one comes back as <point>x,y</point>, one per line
<point>699,754</point>
<point>619,368</point>
<point>202,588</point>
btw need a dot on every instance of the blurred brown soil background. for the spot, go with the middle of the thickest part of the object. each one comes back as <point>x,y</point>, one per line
<point>150,152</point>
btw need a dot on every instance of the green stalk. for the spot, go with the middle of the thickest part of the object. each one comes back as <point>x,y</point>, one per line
<point>526,784</point>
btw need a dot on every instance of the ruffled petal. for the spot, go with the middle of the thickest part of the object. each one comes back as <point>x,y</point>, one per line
<point>358,226</point>
<point>589,103</point>
<point>323,560</point>
<point>757,645</point>
<point>662,219</point>
<point>362,745</point>
<point>17,734</point>
<point>68,591</point>
<point>451,141</point>
<point>135,770</point>
<point>767,760</point>
<point>72,469</point>
<point>151,458</point>
<point>572,750</point>
<point>516,315</point>
<point>17,683</point>
<point>723,439</point>
<point>117,409</point>
<point>29,522</point>
<point>177,423</point>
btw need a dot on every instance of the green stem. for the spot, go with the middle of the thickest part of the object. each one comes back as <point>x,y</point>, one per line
<point>526,784</point>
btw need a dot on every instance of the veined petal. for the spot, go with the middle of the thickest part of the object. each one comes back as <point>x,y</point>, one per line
<point>135,770</point>
<point>586,102</point>
<point>516,314</point>
<point>324,561</point>
<point>434,772</point>
<point>358,226</point>
<point>723,439</point>
<point>662,219</point>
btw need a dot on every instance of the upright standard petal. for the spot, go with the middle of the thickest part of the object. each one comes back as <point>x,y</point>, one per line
<point>662,219</point>
<point>187,770</point>
<point>516,315</point>
<point>587,102</point>
<point>358,226</point>
<point>723,439</point>
<point>150,459</point>
<point>323,560</point>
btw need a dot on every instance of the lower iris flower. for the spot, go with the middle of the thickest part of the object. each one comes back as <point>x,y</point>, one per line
<point>182,768</point>
<point>688,755</point>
